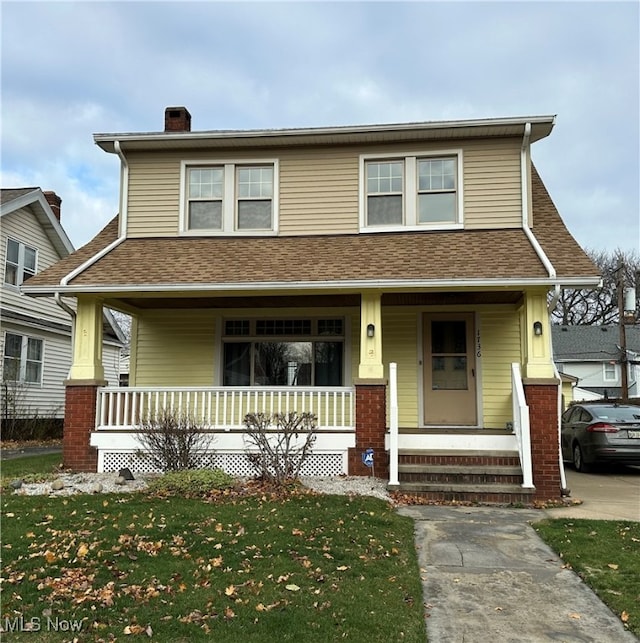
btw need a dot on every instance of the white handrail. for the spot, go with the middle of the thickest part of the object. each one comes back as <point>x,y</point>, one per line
<point>223,407</point>
<point>521,426</point>
<point>393,425</point>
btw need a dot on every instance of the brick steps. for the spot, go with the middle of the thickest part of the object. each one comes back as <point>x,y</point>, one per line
<point>492,477</point>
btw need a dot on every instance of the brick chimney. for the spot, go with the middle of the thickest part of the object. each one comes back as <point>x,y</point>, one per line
<point>54,201</point>
<point>177,119</point>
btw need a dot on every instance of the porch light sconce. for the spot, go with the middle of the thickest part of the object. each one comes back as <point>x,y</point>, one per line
<point>537,328</point>
<point>371,330</point>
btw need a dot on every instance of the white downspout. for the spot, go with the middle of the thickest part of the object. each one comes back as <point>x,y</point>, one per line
<point>82,267</point>
<point>552,274</point>
<point>124,199</point>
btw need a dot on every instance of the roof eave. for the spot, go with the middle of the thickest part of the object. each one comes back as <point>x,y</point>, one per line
<point>359,284</point>
<point>514,126</point>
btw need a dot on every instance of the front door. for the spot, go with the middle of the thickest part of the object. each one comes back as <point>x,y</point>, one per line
<point>449,370</point>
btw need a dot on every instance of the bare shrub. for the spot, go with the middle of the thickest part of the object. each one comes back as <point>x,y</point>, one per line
<point>173,441</point>
<point>278,444</point>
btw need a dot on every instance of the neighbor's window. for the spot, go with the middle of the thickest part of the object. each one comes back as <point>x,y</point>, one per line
<point>283,352</point>
<point>610,372</point>
<point>230,198</point>
<point>415,191</point>
<point>22,359</point>
<point>20,263</point>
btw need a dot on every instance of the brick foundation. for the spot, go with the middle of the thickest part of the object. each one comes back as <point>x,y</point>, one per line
<point>371,427</point>
<point>79,422</point>
<point>542,400</point>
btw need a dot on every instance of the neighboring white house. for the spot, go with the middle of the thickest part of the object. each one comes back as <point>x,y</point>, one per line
<point>35,335</point>
<point>592,355</point>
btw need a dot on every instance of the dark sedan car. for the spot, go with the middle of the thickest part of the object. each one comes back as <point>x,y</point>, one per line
<point>601,433</point>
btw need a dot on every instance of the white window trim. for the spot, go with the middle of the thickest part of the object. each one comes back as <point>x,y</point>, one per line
<point>604,373</point>
<point>23,359</point>
<point>410,195</point>
<point>21,250</point>
<point>229,199</point>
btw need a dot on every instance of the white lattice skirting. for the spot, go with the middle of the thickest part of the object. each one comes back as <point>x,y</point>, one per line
<point>237,464</point>
<point>120,449</point>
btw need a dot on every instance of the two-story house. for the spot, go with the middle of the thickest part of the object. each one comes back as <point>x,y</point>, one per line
<point>392,279</point>
<point>592,354</point>
<point>35,340</point>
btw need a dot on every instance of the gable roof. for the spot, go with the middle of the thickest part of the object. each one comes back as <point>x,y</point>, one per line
<point>14,199</point>
<point>33,198</point>
<point>495,257</point>
<point>592,343</point>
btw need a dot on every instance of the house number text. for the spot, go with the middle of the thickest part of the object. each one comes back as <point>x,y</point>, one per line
<point>478,345</point>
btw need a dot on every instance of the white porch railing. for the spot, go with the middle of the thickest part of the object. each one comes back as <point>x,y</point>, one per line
<point>223,408</point>
<point>521,426</point>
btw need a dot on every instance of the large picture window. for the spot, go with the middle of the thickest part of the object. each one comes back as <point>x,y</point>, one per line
<point>230,198</point>
<point>418,192</point>
<point>283,352</point>
<point>22,359</point>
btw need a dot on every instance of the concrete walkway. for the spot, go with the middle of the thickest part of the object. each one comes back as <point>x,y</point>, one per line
<point>488,577</point>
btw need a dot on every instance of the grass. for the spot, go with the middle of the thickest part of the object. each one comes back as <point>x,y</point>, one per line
<point>241,567</point>
<point>606,555</point>
<point>30,469</point>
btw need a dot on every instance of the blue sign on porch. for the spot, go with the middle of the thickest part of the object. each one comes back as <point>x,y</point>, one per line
<point>367,458</point>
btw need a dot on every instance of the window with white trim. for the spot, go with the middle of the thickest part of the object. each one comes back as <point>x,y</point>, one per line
<point>418,191</point>
<point>283,352</point>
<point>20,263</point>
<point>610,372</point>
<point>23,357</point>
<point>230,198</point>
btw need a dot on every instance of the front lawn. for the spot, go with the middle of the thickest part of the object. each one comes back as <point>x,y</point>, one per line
<point>301,567</point>
<point>606,555</point>
<point>30,468</point>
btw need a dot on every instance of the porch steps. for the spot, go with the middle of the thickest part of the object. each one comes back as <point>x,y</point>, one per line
<point>484,477</point>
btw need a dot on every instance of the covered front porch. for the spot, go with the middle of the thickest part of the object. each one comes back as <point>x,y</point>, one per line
<point>422,378</point>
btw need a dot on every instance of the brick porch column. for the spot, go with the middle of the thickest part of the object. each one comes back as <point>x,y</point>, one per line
<point>79,422</point>
<point>542,399</point>
<point>371,427</point>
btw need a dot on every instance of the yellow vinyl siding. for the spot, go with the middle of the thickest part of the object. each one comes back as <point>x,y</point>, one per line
<point>319,193</point>
<point>319,187</point>
<point>154,196</point>
<point>500,346</point>
<point>400,345</point>
<point>492,188</point>
<point>174,348</point>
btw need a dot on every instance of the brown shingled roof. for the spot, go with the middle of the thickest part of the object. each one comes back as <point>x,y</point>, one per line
<point>425,256</point>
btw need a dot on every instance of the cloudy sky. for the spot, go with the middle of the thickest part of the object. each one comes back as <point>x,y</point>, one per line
<point>71,69</point>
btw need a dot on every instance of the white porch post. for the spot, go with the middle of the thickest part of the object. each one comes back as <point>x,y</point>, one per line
<point>393,428</point>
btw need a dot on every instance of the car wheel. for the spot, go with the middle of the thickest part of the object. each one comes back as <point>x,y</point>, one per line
<point>578,459</point>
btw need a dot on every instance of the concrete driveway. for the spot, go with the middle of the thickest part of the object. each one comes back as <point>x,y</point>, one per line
<point>612,493</point>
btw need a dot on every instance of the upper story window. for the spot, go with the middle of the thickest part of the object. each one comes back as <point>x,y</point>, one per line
<point>22,359</point>
<point>230,198</point>
<point>20,264</point>
<point>417,192</point>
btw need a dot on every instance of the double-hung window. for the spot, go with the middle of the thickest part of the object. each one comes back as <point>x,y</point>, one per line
<point>283,352</point>
<point>610,372</point>
<point>230,198</point>
<point>415,191</point>
<point>20,263</point>
<point>22,359</point>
